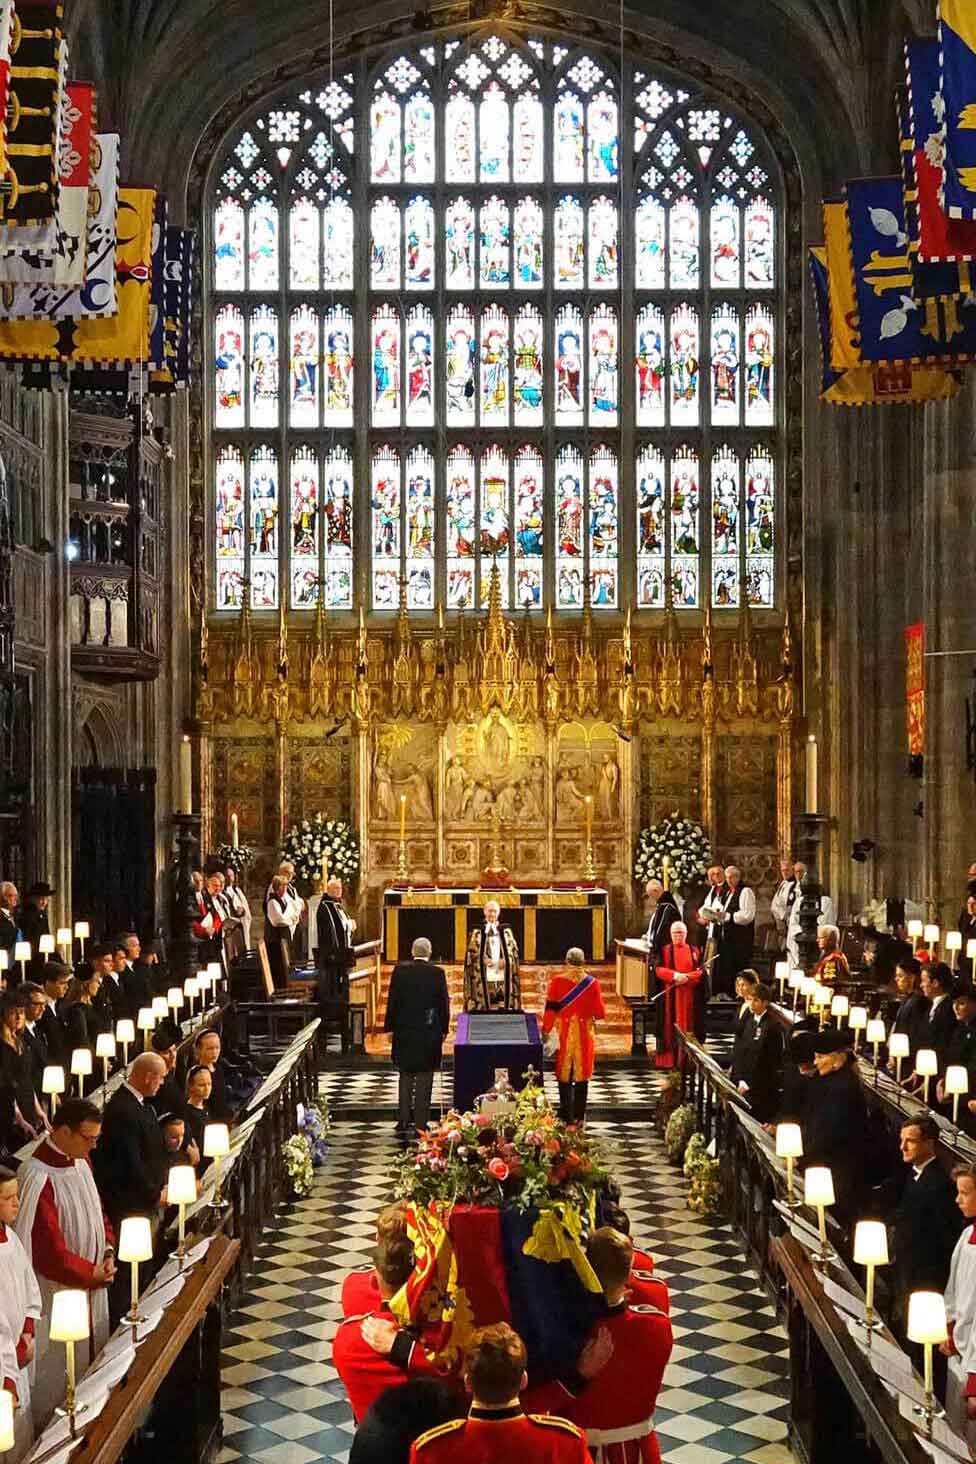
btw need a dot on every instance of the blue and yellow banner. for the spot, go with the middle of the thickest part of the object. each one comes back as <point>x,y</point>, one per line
<point>894,324</point>
<point>957,44</point>
<point>939,238</point>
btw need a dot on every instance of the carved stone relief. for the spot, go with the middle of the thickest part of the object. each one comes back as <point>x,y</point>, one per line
<point>587,767</point>
<point>495,770</point>
<point>404,765</point>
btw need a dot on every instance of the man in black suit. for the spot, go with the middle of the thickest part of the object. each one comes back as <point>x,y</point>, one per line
<point>134,978</point>
<point>913,1009</point>
<point>926,1223</point>
<point>418,1013</point>
<point>35,1005</point>
<point>130,1161</point>
<point>757,1067</point>
<point>940,1021</point>
<point>335,931</point>
<point>49,1027</point>
<point>9,900</point>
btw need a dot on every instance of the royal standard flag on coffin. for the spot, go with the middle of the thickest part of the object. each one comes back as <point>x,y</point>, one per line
<point>957,44</point>
<point>939,237</point>
<point>894,324</point>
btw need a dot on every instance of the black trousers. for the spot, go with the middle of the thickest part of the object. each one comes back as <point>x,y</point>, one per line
<point>572,1101</point>
<point>414,1107</point>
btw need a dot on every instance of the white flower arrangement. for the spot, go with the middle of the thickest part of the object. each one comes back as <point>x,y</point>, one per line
<point>317,840</point>
<point>679,840</point>
<point>297,1154</point>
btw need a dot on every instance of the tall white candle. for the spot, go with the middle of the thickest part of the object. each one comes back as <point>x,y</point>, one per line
<point>813,805</point>
<point>186,775</point>
<point>233,830</point>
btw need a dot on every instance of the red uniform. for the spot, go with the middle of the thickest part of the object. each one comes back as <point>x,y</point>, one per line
<point>574,1004</point>
<point>645,1288</point>
<point>501,1436</point>
<point>360,1292</point>
<point>365,1373</point>
<point>615,1408</point>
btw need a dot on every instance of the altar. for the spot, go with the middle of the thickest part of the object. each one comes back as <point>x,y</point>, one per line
<point>545,922</point>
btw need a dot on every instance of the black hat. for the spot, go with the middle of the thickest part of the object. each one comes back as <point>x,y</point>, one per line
<point>39,887</point>
<point>802,1046</point>
<point>830,1040</point>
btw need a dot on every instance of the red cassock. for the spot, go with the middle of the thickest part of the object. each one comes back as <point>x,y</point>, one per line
<point>360,1293</point>
<point>679,1003</point>
<point>615,1408</point>
<point>364,1373</point>
<point>574,1004</point>
<point>501,1436</point>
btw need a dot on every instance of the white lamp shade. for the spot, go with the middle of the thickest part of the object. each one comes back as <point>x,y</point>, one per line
<point>125,1030</point>
<point>789,1141</point>
<point>69,1316</point>
<point>839,1006</point>
<point>876,1031</point>
<point>818,1187</point>
<point>822,996</point>
<point>160,1008</point>
<point>953,940</point>
<point>797,977</point>
<point>6,1421</point>
<point>191,987</point>
<point>135,1239</point>
<point>52,1080</point>
<point>970,949</point>
<point>927,1317</point>
<point>146,1020</point>
<point>214,971</point>
<point>46,944</point>
<point>915,928</point>
<point>64,935</point>
<point>956,1079</point>
<point>81,929</point>
<point>181,1187</point>
<point>858,1018</point>
<point>104,1045</point>
<point>81,1062</point>
<point>808,985</point>
<point>22,950</point>
<point>931,934</point>
<point>898,1044</point>
<point>4,959</point>
<point>782,970</point>
<point>926,1062</point>
<point>870,1243</point>
<point>174,997</point>
<point>216,1141</point>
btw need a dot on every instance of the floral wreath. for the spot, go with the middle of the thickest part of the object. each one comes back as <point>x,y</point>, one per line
<point>679,840</point>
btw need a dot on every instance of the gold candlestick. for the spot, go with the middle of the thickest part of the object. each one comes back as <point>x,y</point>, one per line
<point>590,868</point>
<point>402,852</point>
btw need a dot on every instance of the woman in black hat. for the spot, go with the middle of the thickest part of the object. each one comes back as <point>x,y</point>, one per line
<point>836,1129</point>
<point>32,922</point>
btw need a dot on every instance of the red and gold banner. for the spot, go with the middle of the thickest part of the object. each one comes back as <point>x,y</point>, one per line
<point>915,687</point>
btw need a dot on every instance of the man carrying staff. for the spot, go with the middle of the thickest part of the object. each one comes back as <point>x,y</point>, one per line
<point>574,1005</point>
<point>491,966</point>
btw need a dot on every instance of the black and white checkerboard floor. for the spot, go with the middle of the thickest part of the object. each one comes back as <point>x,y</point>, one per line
<point>725,1391</point>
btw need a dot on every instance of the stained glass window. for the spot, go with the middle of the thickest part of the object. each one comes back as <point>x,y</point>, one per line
<point>430,273</point>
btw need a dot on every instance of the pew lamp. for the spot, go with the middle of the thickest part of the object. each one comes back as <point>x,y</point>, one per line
<point>926,1067</point>
<point>818,1191</point>
<point>915,928</point>
<point>4,966</point>
<point>789,1146</point>
<point>105,1049</point>
<point>216,1146</point>
<point>839,1007</point>
<point>181,1190</point>
<point>160,1009</point>
<point>971,956</point>
<point>953,944</point>
<point>81,1067</point>
<point>782,972</point>
<point>125,1032</point>
<point>52,1084</point>
<point>82,932</point>
<point>931,935</point>
<point>203,986</point>
<point>45,945</point>
<point>191,989</point>
<point>146,1022</point>
<point>216,973</point>
<point>927,1326</point>
<point>135,1245</point>
<point>174,1001</point>
<point>797,978</point>
<point>64,943</point>
<point>870,1251</point>
<point>956,1083</point>
<point>822,1000</point>
<point>69,1324</point>
<point>22,954</point>
<point>898,1048</point>
<point>807,987</point>
<point>876,1034</point>
<point>6,1421</point>
<point>858,1021</point>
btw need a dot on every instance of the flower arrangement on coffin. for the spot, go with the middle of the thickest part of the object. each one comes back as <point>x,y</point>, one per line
<point>297,1154</point>
<point>680,1127</point>
<point>314,1127</point>
<point>320,840</point>
<point>530,1159</point>
<point>679,840</point>
<point>237,859</point>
